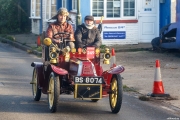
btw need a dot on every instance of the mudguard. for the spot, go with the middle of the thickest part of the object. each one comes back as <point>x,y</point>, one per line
<point>116,70</point>
<point>59,70</point>
<point>33,64</point>
<point>39,68</point>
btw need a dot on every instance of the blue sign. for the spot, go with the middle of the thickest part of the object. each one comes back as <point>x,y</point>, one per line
<point>147,9</point>
<point>114,35</point>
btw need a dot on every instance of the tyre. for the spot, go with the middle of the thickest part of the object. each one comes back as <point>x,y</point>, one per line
<point>115,97</point>
<point>53,92</point>
<point>94,100</point>
<point>35,89</point>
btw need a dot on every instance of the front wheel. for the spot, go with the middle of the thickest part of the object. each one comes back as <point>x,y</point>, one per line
<point>53,92</point>
<point>115,97</point>
<point>36,91</point>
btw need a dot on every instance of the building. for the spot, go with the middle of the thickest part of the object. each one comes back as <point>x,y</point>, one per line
<point>125,21</point>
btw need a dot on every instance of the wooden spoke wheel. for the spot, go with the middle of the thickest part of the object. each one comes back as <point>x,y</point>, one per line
<point>115,97</point>
<point>36,91</point>
<point>53,92</point>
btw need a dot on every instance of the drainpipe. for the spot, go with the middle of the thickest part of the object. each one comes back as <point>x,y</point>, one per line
<point>78,17</point>
<point>41,20</point>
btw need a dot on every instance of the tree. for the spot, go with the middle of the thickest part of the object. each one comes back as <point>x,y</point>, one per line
<point>14,16</point>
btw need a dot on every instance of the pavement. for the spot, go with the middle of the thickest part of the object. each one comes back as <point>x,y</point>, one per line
<point>28,42</point>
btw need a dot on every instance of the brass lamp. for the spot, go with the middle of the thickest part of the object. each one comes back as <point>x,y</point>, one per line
<point>107,56</point>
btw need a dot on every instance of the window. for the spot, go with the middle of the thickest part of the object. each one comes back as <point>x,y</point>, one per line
<point>64,3</point>
<point>35,8</point>
<point>50,9</point>
<point>113,8</point>
<point>129,8</point>
<point>74,4</point>
<point>98,8</point>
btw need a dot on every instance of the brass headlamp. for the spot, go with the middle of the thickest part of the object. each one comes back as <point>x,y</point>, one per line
<point>66,51</point>
<point>53,55</point>
<point>97,51</point>
<point>106,56</point>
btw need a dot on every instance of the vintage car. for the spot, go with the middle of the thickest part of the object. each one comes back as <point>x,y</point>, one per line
<point>78,72</point>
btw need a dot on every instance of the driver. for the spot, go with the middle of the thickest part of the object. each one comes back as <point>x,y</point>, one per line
<point>87,34</point>
<point>60,25</point>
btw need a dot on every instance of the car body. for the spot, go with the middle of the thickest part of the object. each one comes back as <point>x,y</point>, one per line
<point>78,72</point>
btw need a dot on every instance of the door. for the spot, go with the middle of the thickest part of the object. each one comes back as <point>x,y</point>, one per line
<point>148,19</point>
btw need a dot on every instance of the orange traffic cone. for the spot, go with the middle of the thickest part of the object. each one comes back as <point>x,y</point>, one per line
<point>38,41</point>
<point>113,59</point>
<point>158,89</point>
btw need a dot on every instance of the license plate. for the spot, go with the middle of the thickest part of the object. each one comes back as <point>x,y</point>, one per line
<point>88,80</point>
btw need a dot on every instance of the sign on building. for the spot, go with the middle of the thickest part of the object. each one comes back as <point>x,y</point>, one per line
<point>114,31</point>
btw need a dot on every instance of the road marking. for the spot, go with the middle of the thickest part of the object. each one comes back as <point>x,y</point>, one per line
<point>167,108</point>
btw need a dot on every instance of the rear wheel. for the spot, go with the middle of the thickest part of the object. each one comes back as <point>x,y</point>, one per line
<point>115,97</point>
<point>35,89</point>
<point>53,92</point>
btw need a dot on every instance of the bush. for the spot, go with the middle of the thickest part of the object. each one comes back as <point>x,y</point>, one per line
<point>14,16</point>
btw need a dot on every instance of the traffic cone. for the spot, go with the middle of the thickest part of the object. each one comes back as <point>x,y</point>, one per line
<point>158,89</point>
<point>113,59</point>
<point>38,41</point>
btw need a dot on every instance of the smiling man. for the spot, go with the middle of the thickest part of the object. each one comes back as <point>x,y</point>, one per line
<point>59,26</point>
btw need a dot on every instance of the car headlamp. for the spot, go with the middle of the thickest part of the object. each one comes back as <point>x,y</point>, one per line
<point>107,56</point>
<point>53,55</point>
<point>47,41</point>
<point>73,50</point>
<point>97,51</point>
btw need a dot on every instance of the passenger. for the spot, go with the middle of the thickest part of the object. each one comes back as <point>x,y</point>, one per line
<point>61,25</point>
<point>87,34</point>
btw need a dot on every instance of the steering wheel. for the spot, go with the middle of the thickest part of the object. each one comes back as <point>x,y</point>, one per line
<point>63,39</point>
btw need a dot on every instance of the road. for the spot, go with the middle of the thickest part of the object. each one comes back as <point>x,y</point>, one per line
<point>16,102</point>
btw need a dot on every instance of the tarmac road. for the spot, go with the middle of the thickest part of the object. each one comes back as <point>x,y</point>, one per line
<point>139,70</point>
<point>16,100</point>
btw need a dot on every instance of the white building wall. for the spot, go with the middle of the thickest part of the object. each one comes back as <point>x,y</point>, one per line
<point>44,23</point>
<point>35,26</point>
<point>173,11</point>
<point>36,22</point>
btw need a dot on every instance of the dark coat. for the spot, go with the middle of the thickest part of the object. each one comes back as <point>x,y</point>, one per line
<point>87,37</point>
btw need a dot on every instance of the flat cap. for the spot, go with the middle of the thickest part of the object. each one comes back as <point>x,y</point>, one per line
<point>89,17</point>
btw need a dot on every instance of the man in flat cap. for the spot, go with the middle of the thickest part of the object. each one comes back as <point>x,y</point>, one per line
<point>60,25</point>
<point>87,34</point>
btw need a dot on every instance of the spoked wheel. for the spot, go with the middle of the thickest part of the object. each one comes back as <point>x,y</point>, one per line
<point>35,89</point>
<point>53,92</point>
<point>115,97</point>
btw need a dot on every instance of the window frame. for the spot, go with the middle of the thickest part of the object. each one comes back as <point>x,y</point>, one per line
<point>74,1</point>
<point>50,10</point>
<point>36,17</point>
<point>122,17</point>
<point>64,2</point>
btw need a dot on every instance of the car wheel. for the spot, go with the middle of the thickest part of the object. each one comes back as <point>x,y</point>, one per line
<point>36,91</point>
<point>53,92</point>
<point>115,97</point>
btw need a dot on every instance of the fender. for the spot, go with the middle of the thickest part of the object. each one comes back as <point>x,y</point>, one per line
<point>33,64</point>
<point>116,70</point>
<point>59,70</point>
<point>39,68</point>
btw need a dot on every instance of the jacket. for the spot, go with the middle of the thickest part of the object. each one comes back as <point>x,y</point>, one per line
<point>55,28</point>
<point>85,37</point>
